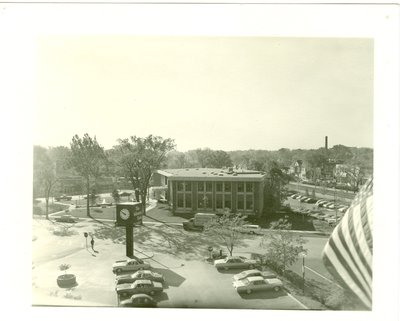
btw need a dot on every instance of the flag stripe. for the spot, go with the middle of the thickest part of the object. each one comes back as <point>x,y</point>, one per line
<point>342,276</point>
<point>342,257</point>
<point>354,259</point>
<point>348,252</point>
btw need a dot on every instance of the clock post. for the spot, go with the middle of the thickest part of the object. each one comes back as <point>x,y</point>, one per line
<point>128,214</point>
<point>129,241</point>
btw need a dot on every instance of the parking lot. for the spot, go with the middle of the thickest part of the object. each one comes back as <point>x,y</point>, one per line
<point>191,281</point>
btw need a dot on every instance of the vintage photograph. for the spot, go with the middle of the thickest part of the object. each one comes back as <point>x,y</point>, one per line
<point>223,172</point>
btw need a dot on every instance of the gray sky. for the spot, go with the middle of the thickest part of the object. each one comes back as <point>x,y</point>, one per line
<point>218,92</point>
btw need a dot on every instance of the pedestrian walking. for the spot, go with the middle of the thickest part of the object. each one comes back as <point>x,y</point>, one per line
<point>92,242</point>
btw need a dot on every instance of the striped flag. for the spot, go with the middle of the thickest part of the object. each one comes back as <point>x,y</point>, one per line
<point>348,252</point>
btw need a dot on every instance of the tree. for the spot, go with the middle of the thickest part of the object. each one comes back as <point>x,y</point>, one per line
<point>115,195</point>
<point>227,229</point>
<point>44,174</point>
<point>274,184</point>
<point>283,247</point>
<point>139,157</point>
<point>87,157</point>
<point>213,158</point>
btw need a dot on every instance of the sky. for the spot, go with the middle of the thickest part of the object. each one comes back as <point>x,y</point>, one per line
<point>229,93</point>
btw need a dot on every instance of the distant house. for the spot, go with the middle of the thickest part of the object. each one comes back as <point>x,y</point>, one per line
<point>345,173</point>
<point>191,190</point>
<point>298,169</point>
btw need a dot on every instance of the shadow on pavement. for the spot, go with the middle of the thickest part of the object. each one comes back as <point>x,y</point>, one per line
<point>262,295</point>
<point>163,296</point>
<point>171,278</point>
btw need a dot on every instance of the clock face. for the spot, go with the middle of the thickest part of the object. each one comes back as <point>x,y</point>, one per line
<point>124,214</point>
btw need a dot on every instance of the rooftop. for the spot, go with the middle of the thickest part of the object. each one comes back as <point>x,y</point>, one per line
<point>212,173</point>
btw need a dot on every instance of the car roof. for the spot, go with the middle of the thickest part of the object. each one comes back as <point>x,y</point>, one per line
<point>140,295</point>
<point>251,225</point>
<point>255,278</point>
<point>251,271</point>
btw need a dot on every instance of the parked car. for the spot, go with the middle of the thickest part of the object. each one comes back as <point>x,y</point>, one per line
<point>67,218</point>
<point>129,265</point>
<point>343,209</point>
<point>162,200</point>
<point>139,275</point>
<point>305,199</point>
<point>321,204</point>
<point>63,197</point>
<point>311,201</point>
<point>139,286</point>
<point>254,272</point>
<point>320,201</point>
<point>140,300</point>
<point>294,195</point>
<point>257,283</point>
<point>250,229</point>
<point>235,262</point>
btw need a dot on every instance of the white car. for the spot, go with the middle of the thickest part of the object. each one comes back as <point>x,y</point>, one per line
<point>235,262</point>
<point>257,283</point>
<point>254,272</point>
<point>251,229</point>
<point>129,265</point>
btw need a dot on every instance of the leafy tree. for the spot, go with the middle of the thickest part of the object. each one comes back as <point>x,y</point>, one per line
<point>274,186</point>
<point>227,229</point>
<point>115,195</point>
<point>44,174</point>
<point>283,247</point>
<point>87,158</point>
<point>139,157</point>
<point>93,197</point>
<point>213,158</point>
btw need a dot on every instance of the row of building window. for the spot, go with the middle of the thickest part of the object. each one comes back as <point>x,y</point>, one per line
<point>220,187</point>
<point>244,202</point>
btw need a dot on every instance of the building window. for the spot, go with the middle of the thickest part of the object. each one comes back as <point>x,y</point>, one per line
<point>218,187</point>
<point>208,187</point>
<point>188,186</point>
<point>181,186</point>
<point>180,198</point>
<point>219,203</point>
<point>249,187</point>
<point>200,186</point>
<point>240,204</point>
<point>188,200</point>
<point>227,187</point>
<point>249,202</point>
<point>240,187</point>
<point>227,201</point>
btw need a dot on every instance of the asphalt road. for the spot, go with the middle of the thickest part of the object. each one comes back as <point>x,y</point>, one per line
<point>190,280</point>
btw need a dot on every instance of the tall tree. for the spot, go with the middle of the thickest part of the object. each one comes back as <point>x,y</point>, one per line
<point>44,174</point>
<point>87,157</point>
<point>274,186</point>
<point>139,157</point>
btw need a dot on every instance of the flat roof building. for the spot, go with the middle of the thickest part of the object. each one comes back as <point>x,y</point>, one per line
<point>213,190</point>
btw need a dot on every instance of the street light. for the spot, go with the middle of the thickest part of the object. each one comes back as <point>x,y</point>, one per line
<point>303,256</point>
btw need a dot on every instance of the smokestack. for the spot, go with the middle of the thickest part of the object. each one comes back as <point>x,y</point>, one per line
<point>326,142</point>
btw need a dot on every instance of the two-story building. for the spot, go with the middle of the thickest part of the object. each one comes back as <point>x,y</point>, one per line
<point>191,190</point>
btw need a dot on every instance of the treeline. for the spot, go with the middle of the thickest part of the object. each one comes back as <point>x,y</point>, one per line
<point>257,159</point>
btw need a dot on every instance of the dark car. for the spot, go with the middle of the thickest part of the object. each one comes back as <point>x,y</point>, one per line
<point>139,301</point>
